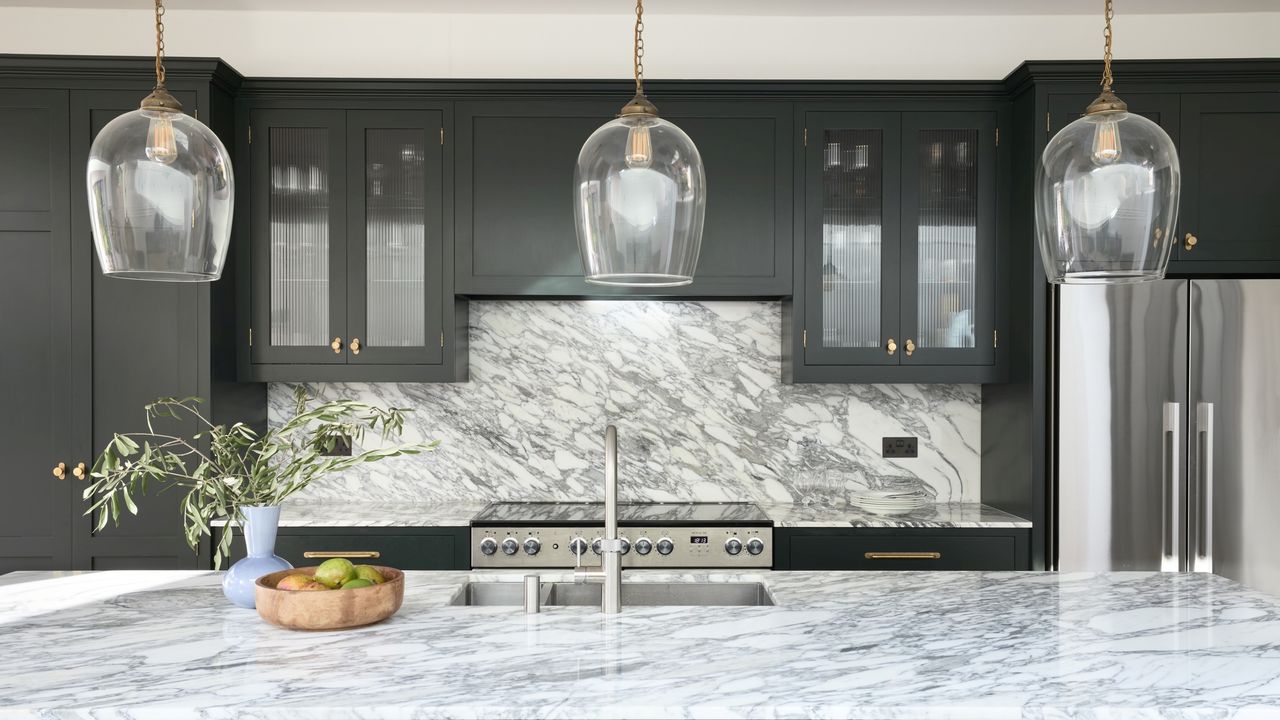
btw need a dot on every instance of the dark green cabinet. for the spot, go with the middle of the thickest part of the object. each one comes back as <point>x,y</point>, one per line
<point>35,316</point>
<point>902,549</point>
<point>515,224</point>
<point>1230,142</point>
<point>404,548</point>
<point>899,276</point>
<point>347,237</point>
<point>88,351</point>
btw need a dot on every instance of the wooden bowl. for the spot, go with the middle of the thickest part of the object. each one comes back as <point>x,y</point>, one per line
<point>328,609</point>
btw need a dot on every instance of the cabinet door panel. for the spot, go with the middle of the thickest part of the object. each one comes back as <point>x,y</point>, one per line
<point>949,235</point>
<point>852,191</point>
<point>396,249</point>
<point>35,316</point>
<point>1229,179</point>
<point>960,552</point>
<point>299,247</point>
<point>134,342</point>
<point>402,548</point>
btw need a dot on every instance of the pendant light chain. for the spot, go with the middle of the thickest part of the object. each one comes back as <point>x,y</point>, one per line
<point>1109,13</point>
<point>160,42</point>
<point>639,52</point>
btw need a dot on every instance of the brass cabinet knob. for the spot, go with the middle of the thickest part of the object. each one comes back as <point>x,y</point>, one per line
<point>1189,242</point>
<point>891,347</point>
<point>60,471</point>
<point>336,345</point>
<point>910,347</point>
<point>79,471</point>
<point>355,346</point>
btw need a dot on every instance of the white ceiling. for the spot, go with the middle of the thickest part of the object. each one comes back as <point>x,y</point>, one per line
<point>782,8</point>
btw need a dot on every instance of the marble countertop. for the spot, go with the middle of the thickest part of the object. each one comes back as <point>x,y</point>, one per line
<point>459,514</point>
<point>165,644</point>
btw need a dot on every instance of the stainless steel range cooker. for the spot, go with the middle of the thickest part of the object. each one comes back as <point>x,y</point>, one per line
<point>654,535</point>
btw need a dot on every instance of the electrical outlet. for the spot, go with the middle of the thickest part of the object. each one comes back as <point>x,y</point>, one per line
<point>900,447</point>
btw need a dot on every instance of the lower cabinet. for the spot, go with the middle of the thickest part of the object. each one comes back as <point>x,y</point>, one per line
<point>403,548</point>
<point>902,549</point>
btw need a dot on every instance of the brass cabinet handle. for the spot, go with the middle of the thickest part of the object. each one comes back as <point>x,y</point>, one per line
<point>891,347</point>
<point>910,347</point>
<point>355,346</point>
<point>336,345</point>
<point>60,471</point>
<point>340,554</point>
<point>903,555</point>
<point>79,471</point>
<point>1189,242</point>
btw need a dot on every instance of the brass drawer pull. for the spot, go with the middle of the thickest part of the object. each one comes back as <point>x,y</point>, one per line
<point>79,471</point>
<point>910,347</point>
<point>60,471</point>
<point>336,345</point>
<point>891,347</point>
<point>1189,242</point>
<point>355,346</point>
<point>903,555</point>
<point>341,554</point>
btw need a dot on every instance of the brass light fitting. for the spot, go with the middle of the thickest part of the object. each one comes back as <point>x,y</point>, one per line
<point>160,97</point>
<point>1106,102</point>
<point>639,104</point>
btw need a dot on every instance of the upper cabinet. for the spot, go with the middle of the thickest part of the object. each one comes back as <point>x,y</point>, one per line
<point>898,281</point>
<point>515,224</point>
<point>346,237</point>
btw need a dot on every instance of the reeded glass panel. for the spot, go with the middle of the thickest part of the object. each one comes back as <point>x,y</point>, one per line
<point>852,225</point>
<point>299,236</point>
<point>395,232</point>
<point>947,239</point>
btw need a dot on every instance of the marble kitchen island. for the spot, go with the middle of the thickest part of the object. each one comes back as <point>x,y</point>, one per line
<point>858,645</point>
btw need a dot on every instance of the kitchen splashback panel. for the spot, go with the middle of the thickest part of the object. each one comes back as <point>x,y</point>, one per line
<point>695,392</point>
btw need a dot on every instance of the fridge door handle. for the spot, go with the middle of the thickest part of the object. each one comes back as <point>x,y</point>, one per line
<point>1202,542</point>
<point>1170,500</point>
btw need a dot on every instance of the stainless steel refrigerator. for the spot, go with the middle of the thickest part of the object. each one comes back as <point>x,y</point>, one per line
<point>1167,425</point>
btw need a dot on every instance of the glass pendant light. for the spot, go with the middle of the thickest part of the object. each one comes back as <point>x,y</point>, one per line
<point>639,195</point>
<point>160,190</point>
<point>1107,193</point>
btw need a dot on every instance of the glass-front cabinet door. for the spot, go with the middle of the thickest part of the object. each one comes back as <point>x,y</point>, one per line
<point>395,230</point>
<point>347,237</point>
<point>298,212</point>
<point>852,216</point>
<point>948,238</point>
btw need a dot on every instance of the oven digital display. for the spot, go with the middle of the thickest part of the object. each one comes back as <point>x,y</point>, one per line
<point>698,540</point>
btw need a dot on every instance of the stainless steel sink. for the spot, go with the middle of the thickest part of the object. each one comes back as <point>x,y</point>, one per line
<point>635,594</point>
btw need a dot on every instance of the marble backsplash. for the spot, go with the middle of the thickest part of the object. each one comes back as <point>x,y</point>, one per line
<point>695,390</point>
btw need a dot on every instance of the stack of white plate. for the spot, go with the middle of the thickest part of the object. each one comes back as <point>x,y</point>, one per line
<point>889,502</point>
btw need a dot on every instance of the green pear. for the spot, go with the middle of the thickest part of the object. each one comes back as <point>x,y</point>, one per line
<point>297,581</point>
<point>357,583</point>
<point>334,572</point>
<point>370,573</point>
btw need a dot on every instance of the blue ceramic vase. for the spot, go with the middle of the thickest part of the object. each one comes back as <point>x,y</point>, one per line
<point>259,530</point>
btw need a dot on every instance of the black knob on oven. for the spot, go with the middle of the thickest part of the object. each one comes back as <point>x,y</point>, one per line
<point>644,546</point>
<point>510,546</point>
<point>578,546</point>
<point>733,546</point>
<point>488,546</point>
<point>755,546</point>
<point>595,546</point>
<point>532,546</point>
<point>665,546</point>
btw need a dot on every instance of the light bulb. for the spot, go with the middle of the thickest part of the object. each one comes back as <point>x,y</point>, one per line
<point>639,146</point>
<point>162,146</point>
<point>1106,142</point>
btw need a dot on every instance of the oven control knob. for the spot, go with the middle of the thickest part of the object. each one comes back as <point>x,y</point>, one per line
<point>532,546</point>
<point>488,546</point>
<point>578,546</point>
<point>755,546</point>
<point>733,546</point>
<point>595,546</point>
<point>665,546</point>
<point>626,545</point>
<point>510,546</point>
<point>644,546</point>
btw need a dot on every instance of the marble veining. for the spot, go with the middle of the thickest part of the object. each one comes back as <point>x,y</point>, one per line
<point>695,390</point>
<point>659,513</point>
<point>838,645</point>
<point>941,515</point>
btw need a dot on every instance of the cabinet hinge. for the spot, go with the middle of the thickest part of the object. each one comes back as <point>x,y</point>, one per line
<point>804,339</point>
<point>441,339</point>
<point>806,137</point>
<point>995,338</point>
<point>997,137</point>
<point>250,134</point>
<point>1046,122</point>
<point>442,136</point>
<point>250,337</point>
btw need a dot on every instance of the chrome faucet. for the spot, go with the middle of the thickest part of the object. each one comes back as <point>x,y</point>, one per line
<point>610,572</point>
